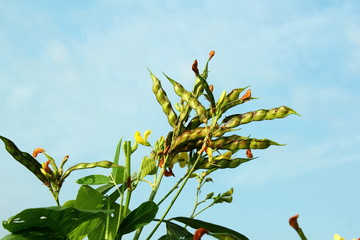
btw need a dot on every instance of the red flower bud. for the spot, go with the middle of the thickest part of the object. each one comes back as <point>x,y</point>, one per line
<point>249,153</point>
<point>293,222</point>
<point>194,67</point>
<point>199,233</point>
<point>168,173</point>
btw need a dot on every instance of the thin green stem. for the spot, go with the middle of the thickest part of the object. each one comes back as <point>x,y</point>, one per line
<point>175,198</point>
<point>196,204</point>
<point>151,198</point>
<point>107,225</point>
<point>171,190</point>
<point>210,205</point>
<point>301,234</point>
<point>128,175</point>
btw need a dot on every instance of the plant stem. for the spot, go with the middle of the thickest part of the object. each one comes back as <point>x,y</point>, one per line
<point>301,234</point>
<point>210,205</point>
<point>128,175</point>
<point>171,190</point>
<point>175,197</point>
<point>151,198</point>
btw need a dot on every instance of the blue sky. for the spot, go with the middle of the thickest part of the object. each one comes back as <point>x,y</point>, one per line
<point>73,80</point>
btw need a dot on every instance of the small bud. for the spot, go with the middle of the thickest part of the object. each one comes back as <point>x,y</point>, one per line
<point>293,222</point>
<point>211,88</point>
<point>37,151</point>
<point>249,153</point>
<point>210,195</point>
<point>228,199</point>
<point>134,147</point>
<point>228,193</point>
<point>211,54</point>
<point>209,179</point>
<point>194,67</point>
<point>199,233</point>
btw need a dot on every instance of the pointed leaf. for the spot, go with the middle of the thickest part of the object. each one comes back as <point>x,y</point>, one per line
<point>139,217</point>
<point>148,167</point>
<point>175,232</point>
<point>88,198</point>
<point>61,220</point>
<point>212,228</point>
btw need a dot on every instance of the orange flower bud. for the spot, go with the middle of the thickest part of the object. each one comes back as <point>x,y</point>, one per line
<point>199,233</point>
<point>45,166</point>
<point>293,222</point>
<point>211,54</point>
<point>194,67</point>
<point>249,153</point>
<point>246,95</point>
<point>211,88</point>
<point>37,151</point>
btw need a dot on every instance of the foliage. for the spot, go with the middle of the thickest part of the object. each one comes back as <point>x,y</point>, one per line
<point>199,141</point>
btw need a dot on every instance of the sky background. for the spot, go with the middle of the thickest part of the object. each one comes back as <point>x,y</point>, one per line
<point>73,80</point>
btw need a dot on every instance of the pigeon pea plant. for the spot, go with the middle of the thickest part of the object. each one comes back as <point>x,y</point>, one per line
<point>199,141</point>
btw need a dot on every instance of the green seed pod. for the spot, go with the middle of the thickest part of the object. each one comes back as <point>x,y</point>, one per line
<point>259,115</point>
<point>235,93</point>
<point>235,142</point>
<point>189,98</point>
<point>222,163</point>
<point>195,104</point>
<point>24,158</point>
<point>191,136</point>
<point>178,88</point>
<point>195,121</point>
<point>163,100</point>
<point>102,164</point>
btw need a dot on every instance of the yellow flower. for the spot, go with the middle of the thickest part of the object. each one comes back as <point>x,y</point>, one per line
<point>142,140</point>
<point>338,237</point>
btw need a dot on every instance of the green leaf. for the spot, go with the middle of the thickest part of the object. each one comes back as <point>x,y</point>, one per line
<point>210,95</point>
<point>94,180</point>
<point>33,234</point>
<point>223,236</point>
<point>118,174</point>
<point>148,167</point>
<point>70,203</point>
<point>212,228</point>
<point>175,232</point>
<point>24,158</point>
<point>88,198</point>
<point>60,220</point>
<point>138,218</point>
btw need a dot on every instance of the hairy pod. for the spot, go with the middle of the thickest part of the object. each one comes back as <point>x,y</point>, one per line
<point>189,98</point>
<point>191,136</point>
<point>195,121</point>
<point>79,166</point>
<point>222,163</point>
<point>235,142</point>
<point>259,115</point>
<point>163,100</point>
<point>234,103</point>
<point>195,104</point>
<point>25,159</point>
